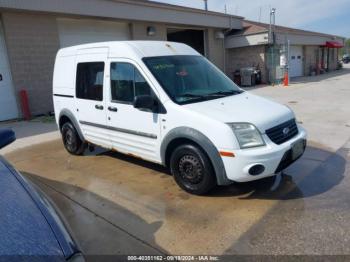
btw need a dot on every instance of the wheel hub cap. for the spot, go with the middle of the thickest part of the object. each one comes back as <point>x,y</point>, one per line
<point>190,169</point>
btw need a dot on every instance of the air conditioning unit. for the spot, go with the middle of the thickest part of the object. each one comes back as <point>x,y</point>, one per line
<point>247,76</point>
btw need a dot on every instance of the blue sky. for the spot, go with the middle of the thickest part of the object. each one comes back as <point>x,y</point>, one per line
<point>327,16</point>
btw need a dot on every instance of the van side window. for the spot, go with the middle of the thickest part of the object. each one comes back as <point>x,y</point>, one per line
<point>126,82</point>
<point>89,83</point>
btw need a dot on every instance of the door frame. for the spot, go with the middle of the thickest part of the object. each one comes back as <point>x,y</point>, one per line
<point>154,136</point>
<point>8,66</point>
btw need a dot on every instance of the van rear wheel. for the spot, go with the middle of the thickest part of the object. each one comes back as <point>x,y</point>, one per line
<point>192,170</point>
<point>71,140</point>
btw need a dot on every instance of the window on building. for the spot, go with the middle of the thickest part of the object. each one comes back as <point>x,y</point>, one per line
<point>89,83</point>
<point>127,82</point>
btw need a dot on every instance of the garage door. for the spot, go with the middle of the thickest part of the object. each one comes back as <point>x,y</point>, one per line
<point>80,31</point>
<point>296,61</point>
<point>8,105</point>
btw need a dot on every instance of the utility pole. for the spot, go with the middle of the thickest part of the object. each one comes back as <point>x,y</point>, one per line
<point>260,12</point>
<point>206,5</point>
<point>272,44</point>
<point>272,25</point>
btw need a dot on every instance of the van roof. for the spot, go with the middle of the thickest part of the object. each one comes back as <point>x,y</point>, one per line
<point>134,48</point>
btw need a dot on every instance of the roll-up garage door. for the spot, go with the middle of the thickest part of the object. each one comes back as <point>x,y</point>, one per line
<point>81,31</point>
<point>296,61</point>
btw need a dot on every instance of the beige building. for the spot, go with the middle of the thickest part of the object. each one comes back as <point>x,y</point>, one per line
<point>309,52</point>
<point>32,31</point>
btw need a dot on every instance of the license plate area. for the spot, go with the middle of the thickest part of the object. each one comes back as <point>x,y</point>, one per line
<point>298,149</point>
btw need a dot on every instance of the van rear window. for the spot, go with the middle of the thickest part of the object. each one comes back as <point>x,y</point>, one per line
<point>89,84</point>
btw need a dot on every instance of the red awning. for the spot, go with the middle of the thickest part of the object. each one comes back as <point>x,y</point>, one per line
<point>333,44</point>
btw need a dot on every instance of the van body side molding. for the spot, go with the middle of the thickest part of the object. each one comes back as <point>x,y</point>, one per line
<point>67,96</point>
<point>127,131</point>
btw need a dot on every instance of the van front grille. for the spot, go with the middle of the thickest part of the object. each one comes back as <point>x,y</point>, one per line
<point>283,132</point>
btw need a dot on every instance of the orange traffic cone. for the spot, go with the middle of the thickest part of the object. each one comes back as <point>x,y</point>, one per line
<point>285,81</point>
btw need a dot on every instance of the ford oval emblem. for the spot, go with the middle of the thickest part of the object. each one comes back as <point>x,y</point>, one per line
<point>286,131</point>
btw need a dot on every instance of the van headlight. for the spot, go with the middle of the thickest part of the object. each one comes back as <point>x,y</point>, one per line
<point>248,135</point>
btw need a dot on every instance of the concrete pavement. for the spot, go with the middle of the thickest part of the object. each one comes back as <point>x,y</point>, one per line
<point>321,103</point>
<point>29,133</point>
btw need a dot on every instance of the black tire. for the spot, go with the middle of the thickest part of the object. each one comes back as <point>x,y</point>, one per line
<point>71,140</point>
<point>192,169</point>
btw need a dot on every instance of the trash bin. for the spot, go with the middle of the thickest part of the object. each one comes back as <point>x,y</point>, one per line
<point>248,76</point>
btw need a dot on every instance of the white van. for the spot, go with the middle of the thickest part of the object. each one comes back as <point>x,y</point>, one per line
<point>165,103</point>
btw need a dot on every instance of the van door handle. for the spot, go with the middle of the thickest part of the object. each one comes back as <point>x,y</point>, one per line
<point>113,109</point>
<point>99,107</point>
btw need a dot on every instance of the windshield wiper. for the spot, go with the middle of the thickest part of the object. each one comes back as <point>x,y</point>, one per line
<point>190,95</point>
<point>197,97</point>
<point>226,93</point>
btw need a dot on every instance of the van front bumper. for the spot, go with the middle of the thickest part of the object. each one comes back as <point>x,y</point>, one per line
<point>268,160</point>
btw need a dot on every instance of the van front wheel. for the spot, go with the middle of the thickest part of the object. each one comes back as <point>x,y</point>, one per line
<point>71,140</point>
<point>192,169</point>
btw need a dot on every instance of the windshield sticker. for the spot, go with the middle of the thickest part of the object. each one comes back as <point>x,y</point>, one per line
<point>182,73</point>
<point>163,66</point>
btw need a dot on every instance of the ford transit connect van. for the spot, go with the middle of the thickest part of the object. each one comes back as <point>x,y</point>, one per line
<point>164,102</point>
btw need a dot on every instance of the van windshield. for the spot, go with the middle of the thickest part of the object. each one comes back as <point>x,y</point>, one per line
<point>190,79</point>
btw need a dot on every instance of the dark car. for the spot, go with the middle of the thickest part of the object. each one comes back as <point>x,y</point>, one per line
<point>346,59</point>
<point>30,226</point>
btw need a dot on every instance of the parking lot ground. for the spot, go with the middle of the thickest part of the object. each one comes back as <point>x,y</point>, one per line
<point>33,132</point>
<point>116,204</point>
<point>321,104</point>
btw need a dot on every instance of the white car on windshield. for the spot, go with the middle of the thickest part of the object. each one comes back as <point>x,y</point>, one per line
<point>165,103</point>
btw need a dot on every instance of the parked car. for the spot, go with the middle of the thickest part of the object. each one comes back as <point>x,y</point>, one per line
<point>165,103</point>
<point>346,59</point>
<point>30,226</point>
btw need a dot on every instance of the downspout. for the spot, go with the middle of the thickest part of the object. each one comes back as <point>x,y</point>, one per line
<point>223,43</point>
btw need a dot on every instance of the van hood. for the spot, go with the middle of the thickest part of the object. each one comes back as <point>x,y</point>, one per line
<point>245,108</point>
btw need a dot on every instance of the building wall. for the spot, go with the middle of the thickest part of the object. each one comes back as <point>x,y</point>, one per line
<point>236,41</point>
<point>333,59</point>
<point>215,49</point>
<point>236,58</point>
<point>311,59</point>
<point>32,43</point>
<point>139,31</point>
<point>32,40</point>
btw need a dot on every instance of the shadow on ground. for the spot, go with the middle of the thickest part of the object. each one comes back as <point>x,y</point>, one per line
<point>313,222</point>
<point>95,234</point>
<point>320,78</point>
<point>289,185</point>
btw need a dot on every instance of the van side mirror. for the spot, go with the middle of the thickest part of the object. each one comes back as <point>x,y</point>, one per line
<point>145,102</point>
<point>7,136</point>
